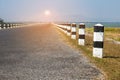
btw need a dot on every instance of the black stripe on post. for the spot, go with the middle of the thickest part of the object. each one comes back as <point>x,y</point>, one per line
<point>73,33</point>
<point>82,26</point>
<point>98,44</point>
<point>73,25</point>
<point>98,29</point>
<point>81,36</point>
<point>68,24</point>
<point>69,31</point>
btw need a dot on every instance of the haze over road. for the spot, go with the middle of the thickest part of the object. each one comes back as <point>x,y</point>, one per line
<point>38,53</point>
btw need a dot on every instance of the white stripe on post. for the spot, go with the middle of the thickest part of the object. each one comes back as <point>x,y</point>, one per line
<point>81,40</point>
<point>98,36</point>
<point>98,40</point>
<point>73,31</point>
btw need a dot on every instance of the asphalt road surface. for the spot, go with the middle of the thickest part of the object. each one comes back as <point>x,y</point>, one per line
<point>38,53</point>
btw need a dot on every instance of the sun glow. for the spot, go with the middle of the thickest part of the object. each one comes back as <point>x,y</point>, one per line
<point>47,13</point>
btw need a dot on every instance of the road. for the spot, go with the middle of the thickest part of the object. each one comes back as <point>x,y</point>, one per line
<point>39,53</point>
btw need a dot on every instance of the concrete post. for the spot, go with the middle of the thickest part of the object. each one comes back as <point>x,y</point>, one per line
<point>11,25</point>
<point>98,40</point>
<point>0,26</point>
<point>17,25</point>
<point>68,29</point>
<point>65,28</point>
<point>73,31</point>
<point>81,39</point>
<point>7,25</point>
<point>4,26</point>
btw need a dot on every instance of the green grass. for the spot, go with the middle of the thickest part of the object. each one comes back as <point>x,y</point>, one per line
<point>110,64</point>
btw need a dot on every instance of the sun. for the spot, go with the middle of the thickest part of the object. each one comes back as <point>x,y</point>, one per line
<point>47,12</point>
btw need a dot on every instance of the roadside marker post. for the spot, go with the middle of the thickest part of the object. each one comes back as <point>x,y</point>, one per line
<point>73,31</point>
<point>68,29</point>
<point>98,40</point>
<point>81,39</point>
